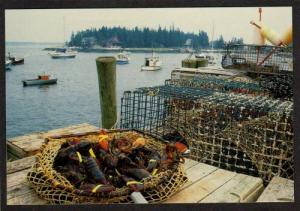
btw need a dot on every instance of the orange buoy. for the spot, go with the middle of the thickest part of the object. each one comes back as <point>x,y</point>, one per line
<point>287,37</point>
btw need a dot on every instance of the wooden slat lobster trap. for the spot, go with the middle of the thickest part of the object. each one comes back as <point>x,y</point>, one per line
<point>239,132</point>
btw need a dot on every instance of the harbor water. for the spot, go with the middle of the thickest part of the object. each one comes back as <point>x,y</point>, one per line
<point>74,99</point>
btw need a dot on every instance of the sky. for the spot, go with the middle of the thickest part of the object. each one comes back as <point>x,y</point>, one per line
<point>56,25</point>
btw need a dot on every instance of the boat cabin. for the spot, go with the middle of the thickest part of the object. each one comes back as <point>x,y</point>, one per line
<point>43,77</point>
<point>152,61</point>
<point>61,50</point>
<point>122,56</point>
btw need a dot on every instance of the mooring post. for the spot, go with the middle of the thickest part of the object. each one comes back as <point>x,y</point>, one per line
<point>106,68</point>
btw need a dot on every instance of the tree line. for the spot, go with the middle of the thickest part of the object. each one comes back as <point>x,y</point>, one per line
<point>146,37</point>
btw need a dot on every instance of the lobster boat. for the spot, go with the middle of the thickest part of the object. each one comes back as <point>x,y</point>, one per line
<point>63,53</point>
<point>41,80</point>
<point>122,58</point>
<point>209,58</point>
<point>152,63</point>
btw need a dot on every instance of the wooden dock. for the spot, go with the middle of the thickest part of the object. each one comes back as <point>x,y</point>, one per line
<point>207,184</point>
<point>27,145</point>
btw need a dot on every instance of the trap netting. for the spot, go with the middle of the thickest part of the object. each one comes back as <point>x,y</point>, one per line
<point>242,133</point>
<point>52,186</point>
<point>220,84</point>
<point>265,59</point>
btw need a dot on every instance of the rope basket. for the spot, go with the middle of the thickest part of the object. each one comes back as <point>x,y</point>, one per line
<point>52,186</point>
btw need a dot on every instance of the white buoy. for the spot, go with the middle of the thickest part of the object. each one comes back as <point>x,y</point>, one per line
<point>138,198</point>
<point>268,33</point>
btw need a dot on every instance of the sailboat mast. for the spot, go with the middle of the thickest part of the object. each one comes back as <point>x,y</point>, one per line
<point>212,35</point>
<point>64,29</point>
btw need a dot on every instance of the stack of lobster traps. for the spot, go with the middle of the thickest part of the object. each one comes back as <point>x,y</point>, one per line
<point>229,124</point>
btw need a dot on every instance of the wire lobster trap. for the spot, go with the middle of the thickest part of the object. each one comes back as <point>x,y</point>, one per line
<point>238,132</point>
<point>220,84</point>
<point>259,59</point>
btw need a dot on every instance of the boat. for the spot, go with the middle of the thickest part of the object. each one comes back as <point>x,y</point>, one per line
<point>41,80</point>
<point>8,64</point>
<point>152,63</point>
<point>15,60</point>
<point>122,58</point>
<point>210,58</point>
<point>63,53</point>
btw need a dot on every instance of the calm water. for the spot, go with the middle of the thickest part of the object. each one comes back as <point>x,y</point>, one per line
<point>74,99</point>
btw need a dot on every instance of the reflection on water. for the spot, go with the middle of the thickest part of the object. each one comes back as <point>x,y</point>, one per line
<point>75,97</point>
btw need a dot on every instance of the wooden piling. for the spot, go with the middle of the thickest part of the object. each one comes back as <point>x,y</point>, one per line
<point>106,68</point>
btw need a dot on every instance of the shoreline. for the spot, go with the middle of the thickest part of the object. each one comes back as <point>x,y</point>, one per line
<point>135,50</point>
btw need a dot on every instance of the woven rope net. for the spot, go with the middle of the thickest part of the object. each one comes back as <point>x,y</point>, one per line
<point>55,188</point>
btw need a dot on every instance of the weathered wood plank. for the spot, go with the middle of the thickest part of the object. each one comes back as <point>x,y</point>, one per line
<point>278,190</point>
<point>189,163</point>
<point>18,190</point>
<point>241,188</point>
<point>16,178</point>
<point>30,144</point>
<point>200,189</point>
<point>197,172</point>
<point>27,199</point>
<point>20,164</point>
<point>15,150</point>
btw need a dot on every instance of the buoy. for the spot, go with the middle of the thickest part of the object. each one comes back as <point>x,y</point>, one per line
<point>287,37</point>
<point>268,33</point>
<point>258,38</point>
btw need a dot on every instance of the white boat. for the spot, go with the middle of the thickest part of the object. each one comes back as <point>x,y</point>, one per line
<point>8,64</point>
<point>210,58</point>
<point>63,53</point>
<point>152,63</point>
<point>122,58</point>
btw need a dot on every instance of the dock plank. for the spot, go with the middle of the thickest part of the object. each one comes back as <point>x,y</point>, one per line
<point>241,188</point>
<point>201,188</point>
<point>20,164</point>
<point>27,199</point>
<point>278,190</point>
<point>189,163</point>
<point>16,178</point>
<point>30,144</point>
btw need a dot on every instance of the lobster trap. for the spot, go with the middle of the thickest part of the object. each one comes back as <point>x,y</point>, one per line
<point>220,84</point>
<point>259,59</point>
<point>249,134</point>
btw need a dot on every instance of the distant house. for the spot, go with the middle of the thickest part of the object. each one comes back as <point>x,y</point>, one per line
<point>113,43</point>
<point>188,43</point>
<point>188,46</point>
<point>88,42</point>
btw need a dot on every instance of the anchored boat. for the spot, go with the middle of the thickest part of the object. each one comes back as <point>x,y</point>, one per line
<point>41,80</point>
<point>152,63</point>
<point>210,58</point>
<point>122,58</point>
<point>15,60</point>
<point>8,64</point>
<point>63,53</point>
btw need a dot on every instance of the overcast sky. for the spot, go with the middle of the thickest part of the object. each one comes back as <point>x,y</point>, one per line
<point>48,25</point>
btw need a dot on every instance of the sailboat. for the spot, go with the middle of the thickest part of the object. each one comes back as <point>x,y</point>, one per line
<point>152,63</point>
<point>210,58</point>
<point>64,52</point>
